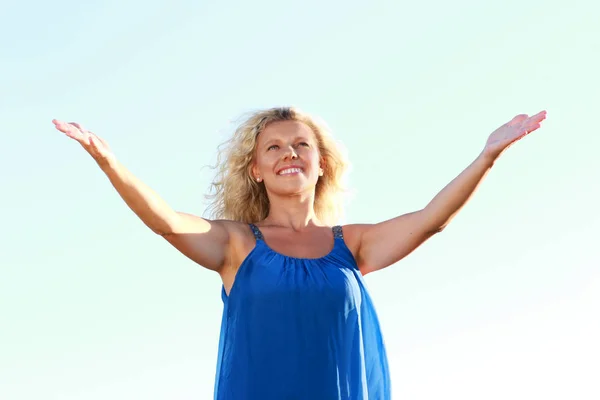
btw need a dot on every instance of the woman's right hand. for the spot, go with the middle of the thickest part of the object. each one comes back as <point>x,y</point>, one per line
<point>205,242</point>
<point>93,144</point>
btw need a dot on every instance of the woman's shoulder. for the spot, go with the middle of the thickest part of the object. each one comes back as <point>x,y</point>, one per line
<point>237,230</point>
<point>241,243</point>
<point>352,234</point>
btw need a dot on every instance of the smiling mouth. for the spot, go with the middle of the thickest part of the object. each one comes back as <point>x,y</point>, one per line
<point>289,171</point>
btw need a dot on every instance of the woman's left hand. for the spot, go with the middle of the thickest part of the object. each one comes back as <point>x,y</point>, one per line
<point>509,133</point>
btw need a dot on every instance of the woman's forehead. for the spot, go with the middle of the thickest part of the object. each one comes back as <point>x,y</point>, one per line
<point>285,130</point>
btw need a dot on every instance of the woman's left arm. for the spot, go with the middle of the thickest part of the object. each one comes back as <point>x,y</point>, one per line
<point>383,244</point>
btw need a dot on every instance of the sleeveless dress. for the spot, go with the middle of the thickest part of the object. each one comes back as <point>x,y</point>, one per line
<point>300,329</point>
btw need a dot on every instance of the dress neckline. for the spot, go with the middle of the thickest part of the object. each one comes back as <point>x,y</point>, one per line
<point>337,234</point>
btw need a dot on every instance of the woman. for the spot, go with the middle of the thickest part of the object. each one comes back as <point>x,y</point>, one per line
<point>297,322</point>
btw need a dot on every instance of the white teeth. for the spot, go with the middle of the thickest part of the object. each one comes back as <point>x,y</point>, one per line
<point>290,171</point>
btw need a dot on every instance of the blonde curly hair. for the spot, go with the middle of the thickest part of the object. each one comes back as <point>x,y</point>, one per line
<point>238,197</point>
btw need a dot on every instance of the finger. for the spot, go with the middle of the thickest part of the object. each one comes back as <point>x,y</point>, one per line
<point>95,146</point>
<point>98,139</point>
<point>539,116</point>
<point>67,129</point>
<point>530,129</point>
<point>83,132</point>
<point>76,125</point>
<point>518,119</point>
<point>534,121</point>
<point>92,142</point>
<point>60,125</point>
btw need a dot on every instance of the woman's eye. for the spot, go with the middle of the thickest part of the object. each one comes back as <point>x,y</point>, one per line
<point>303,144</point>
<point>273,147</point>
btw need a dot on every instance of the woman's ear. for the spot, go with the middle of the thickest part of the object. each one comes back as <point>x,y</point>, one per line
<point>254,173</point>
<point>321,167</point>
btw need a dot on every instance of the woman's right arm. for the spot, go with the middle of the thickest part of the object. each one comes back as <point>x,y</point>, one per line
<point>204,241</point>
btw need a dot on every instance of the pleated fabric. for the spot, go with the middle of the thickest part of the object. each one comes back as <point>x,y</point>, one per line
<point>300,329</point>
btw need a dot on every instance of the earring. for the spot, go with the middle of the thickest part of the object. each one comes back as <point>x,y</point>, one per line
<point>320,171</point>
<point>259,179</point>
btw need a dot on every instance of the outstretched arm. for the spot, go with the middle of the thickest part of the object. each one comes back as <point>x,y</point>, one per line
<point>204,241</point>
<point>385,243</point>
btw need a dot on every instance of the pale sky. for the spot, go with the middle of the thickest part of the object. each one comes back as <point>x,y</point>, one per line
<point>504,304</point>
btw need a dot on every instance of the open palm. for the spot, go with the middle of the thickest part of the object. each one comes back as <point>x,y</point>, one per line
<point>93,144</point>
<point>513,130</point>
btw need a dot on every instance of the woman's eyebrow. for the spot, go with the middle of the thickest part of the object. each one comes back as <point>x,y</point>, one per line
<point>305,138</point>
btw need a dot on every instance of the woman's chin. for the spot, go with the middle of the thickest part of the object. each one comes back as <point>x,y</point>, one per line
<point>292,188</point>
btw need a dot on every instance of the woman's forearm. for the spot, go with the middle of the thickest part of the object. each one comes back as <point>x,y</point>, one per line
<point>142,200</point>
<point>450,200</point>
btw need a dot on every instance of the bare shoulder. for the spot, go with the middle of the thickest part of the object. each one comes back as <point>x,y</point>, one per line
<point>241,243</point>
<point>213,244</point>
<point>240,233</point>
<point>352,237</point>
<point>241,240</point>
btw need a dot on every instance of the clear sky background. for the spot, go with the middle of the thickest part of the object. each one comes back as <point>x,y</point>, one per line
<point>504,304</point>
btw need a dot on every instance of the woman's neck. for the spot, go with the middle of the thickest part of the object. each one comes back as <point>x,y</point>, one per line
<point>294,212</point>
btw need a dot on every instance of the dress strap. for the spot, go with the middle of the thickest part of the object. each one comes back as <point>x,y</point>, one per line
<point>257,233</point>
<point>337,232</point>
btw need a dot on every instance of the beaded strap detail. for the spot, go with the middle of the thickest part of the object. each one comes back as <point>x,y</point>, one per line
<point>257,233</point>
<point>337,232</point>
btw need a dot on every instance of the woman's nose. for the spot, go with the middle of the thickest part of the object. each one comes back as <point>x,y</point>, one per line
<point>291,153</point>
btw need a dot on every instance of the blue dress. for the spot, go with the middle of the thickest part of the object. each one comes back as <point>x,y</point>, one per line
<point>300,329</point>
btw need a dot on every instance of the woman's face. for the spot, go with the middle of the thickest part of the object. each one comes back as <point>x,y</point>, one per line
<point>287,158</point>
